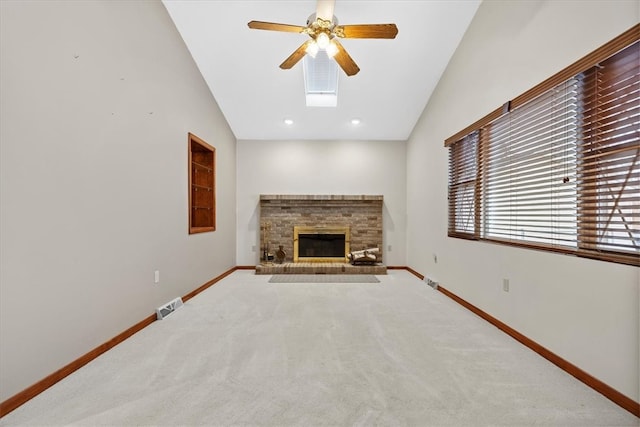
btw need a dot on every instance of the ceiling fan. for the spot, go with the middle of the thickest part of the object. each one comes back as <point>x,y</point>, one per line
<point>324,31</point>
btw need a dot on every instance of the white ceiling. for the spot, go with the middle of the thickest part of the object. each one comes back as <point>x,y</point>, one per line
<point>396,78</point>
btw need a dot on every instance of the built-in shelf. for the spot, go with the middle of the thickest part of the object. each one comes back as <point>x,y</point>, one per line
<point>202,194</point>
<point>198,165</point>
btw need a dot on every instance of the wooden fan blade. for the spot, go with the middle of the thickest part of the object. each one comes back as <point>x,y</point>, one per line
<point>344,60</point>
<point>296,56</point>
<point>259,25</point>
<point>368,31</point>
<point>324,9</point>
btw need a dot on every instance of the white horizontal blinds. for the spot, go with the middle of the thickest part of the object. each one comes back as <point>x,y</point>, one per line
<point>528,160</point>
<point>610,157</point>
<point>561,169</point>
<point>462,183</point>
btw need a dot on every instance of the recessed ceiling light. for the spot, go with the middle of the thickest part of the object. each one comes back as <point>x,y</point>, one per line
<point>288,122</point>
<point>355,122</point>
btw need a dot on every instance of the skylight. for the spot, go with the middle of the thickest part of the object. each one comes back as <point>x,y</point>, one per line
<point>320,80</point>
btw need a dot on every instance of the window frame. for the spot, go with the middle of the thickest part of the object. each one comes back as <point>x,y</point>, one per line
<point>586,245</point>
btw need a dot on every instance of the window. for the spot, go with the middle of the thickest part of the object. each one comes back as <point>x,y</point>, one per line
<point>609,202</point>
<point>559,167</point>
<point>202,195</point>
<point>462,186</point>
<point>528,181</point>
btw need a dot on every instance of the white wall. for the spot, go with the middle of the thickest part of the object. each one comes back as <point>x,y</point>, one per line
<point>97,99</point>
<point>322,167</point>
<point>583,310</point>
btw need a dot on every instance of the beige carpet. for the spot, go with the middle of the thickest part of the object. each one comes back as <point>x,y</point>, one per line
<point>246,352</point>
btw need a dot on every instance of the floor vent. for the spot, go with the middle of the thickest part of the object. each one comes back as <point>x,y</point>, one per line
<point>431,282</point>
<point>165,310</point>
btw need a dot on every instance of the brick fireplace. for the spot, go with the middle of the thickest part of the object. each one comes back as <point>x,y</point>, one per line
<point>282,215</point>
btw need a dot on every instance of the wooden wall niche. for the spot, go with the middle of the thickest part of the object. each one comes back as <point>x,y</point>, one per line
<point>202,193</point>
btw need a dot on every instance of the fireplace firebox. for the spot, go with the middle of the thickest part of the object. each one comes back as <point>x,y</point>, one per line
<point>320,244</point>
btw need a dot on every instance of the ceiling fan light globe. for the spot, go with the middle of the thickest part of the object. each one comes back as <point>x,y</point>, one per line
<point>323,40</point>
<point>332,49</point>
<point>312,49</point>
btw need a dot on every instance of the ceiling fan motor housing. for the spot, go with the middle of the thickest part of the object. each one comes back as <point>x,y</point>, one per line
<point>313,17</point>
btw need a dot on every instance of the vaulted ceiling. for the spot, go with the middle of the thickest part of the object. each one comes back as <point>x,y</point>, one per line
<point>396,78</point>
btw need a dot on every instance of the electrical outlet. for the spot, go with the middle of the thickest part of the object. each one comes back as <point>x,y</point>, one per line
<point>156,276</point>
<point>253,248</point>
<point>389,248</point>
<point>435,258</point>
<point>505,285</point>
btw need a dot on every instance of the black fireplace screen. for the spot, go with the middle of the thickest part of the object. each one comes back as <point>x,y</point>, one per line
<point>321,245</point>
